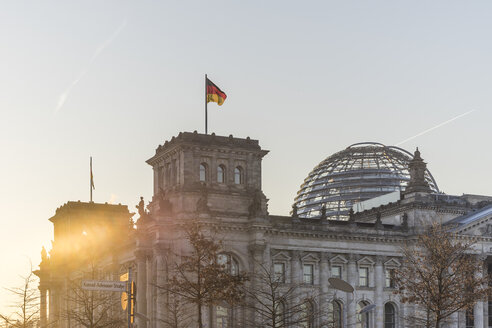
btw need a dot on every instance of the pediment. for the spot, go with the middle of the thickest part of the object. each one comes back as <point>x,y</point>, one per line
<point>475,223</point>
<point>392,263</point>
<point>281,256</point>
<point>310,258</point>
<point>338,259</point>
<point>482,228</point>
<point>366,261</point>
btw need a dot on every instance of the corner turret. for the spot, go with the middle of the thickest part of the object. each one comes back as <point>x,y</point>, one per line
<point>417,168</point>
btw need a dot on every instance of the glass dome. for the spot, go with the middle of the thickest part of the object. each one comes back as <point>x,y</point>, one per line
<point>360,172</point>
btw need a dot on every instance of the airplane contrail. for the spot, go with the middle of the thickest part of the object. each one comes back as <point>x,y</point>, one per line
<point>435,127</point>
<point>63,97</point>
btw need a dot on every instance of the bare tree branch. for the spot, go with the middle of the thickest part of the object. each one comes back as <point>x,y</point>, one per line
<point>439,275</point>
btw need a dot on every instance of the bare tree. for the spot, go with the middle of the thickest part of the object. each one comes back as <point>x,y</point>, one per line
<point>275,304</point>
<point>440,276</point>
<point>92,309</point>
<point>26,306</point>
<point>178,313</point>
<point>199,278</point>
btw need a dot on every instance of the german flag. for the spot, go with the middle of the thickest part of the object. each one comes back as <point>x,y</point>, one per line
<point>214,94</point>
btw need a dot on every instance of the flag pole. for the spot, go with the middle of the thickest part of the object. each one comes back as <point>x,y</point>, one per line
<point>90,179</point>
<point>206,113</point>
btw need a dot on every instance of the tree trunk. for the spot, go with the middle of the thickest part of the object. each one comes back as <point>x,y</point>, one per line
<point>438,321</point>
<point>200,324</point>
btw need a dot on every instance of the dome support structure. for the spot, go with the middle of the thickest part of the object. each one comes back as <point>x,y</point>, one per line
<point>360,172</point>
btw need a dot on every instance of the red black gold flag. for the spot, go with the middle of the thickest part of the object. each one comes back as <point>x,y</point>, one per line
<point>214,94</point>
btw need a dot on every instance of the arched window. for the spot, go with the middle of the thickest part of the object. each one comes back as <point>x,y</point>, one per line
<point>203,172</point>
<point>238,175</point>
<point>222,316</point>
<point>362,318</point>
<point>221,174</point>
<point>307,315</point>
<point>230,263</point>
<point>389,316</point>
<point>335,314</point>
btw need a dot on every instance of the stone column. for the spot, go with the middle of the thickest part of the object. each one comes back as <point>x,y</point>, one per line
<point>295,268</point>
<point>42,306</point>
<point>453,320</point>
<point>257,251</point>
<point>296,277</point>
<point>150,292</point>
<point>408,315</point>
<point>160,282</point>
<point>378,294</point>
<point>51,318</point>
<point>54,312</point>
<point>141,306</point>
<point>351,301</point>
<point>478,309</point>
<point>323,281</point>
<point>478,314</point>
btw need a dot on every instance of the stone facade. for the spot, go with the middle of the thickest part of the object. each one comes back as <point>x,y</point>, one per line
<point>218,181</point>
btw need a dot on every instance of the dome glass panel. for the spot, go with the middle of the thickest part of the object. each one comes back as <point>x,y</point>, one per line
<point>360,172</point>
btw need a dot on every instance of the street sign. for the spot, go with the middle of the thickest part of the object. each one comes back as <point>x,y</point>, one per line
<point>104,285</point>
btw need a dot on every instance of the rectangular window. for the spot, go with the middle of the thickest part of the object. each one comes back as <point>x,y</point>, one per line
<point>336,272</point>
<point>363,277</point>
<point>308,274</point>
<point>390,274</point>
<point>279,271</point>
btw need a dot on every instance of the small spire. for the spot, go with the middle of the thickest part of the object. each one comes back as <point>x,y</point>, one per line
<point>417,168</point>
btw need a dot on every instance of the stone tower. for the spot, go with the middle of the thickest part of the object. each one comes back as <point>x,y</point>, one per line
<point>200,174</point>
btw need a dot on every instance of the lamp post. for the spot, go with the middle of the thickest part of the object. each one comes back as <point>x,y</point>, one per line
<point>344,286</point>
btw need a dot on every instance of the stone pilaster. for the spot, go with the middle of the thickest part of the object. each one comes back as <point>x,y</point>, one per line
<point>161,279</point>
<point>478,314</point>
<point>42,307</point>
<point>453,320</point>
<point>324,274</point>
<point>296,275</point>
<point>408,315</point>
<point>141,306</point>
<point>150,291</point>
<point>257,251</point>
<point>478,309</point>
<point>378,294</point>
<point>296,267</point>
<point>352,279</point>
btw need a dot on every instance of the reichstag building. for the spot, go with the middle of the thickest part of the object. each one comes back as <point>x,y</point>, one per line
<point>349,220</point>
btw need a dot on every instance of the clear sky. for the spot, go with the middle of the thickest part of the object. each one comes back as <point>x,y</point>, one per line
<point>114,79</point>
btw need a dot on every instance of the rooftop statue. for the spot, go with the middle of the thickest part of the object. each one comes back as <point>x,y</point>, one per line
<point>44,255</point>
<point>141,207</point>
